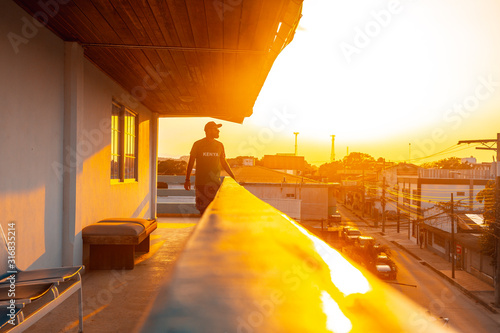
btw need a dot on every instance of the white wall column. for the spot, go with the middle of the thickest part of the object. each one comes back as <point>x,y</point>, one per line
<point>72,156</point>
<point>153,144</point>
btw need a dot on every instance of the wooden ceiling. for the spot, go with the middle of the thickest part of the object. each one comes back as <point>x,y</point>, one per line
<point>179,57</point>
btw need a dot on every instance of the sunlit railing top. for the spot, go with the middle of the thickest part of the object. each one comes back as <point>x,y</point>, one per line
<point>250,268</point>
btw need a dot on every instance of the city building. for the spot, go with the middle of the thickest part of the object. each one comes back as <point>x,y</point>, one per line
<point>422,198</point>
<point>298,197</point>
<point>288,163</point>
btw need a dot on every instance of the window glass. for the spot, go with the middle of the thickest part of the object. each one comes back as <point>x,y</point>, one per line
<point>115,142</point>
<point>124,143</point>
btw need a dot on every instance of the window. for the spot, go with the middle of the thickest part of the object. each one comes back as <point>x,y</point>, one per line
<point>406,196</point>
<point>439,240</point>
<point>415,197</point>
<point>123,144</point>
<point>290,195</point>
<point>115,142</point>
<point>130,135</point>
<point>461,194</point>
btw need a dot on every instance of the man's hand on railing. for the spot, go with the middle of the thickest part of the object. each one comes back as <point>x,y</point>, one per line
<point>187,185</point>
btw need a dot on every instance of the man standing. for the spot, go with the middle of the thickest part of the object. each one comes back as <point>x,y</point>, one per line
<point>210,157</point>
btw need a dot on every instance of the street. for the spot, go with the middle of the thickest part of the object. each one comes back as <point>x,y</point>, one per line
<point>429,290</point>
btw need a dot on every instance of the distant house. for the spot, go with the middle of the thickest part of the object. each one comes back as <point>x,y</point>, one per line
<point>468,229</point>
<point>241,161</point>
<point>287,163</point>
<point>298,197</point>
<point>419,193</point>
<point>416,192</point>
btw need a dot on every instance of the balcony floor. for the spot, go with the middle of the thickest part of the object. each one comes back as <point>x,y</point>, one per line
<point>120,301</point>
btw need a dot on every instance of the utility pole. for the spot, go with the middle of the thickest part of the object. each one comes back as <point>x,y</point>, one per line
<point>496,226</point>
<point>453,247</point>
<point>332,155</point>
<point>383,197</point>
<point>397,208</point>
<point>364,198</point>
<point>383,204</point>
<point>296,133</point>
<point>399,221</point>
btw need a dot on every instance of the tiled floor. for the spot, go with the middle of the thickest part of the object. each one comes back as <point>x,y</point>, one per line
<point>120,301</point>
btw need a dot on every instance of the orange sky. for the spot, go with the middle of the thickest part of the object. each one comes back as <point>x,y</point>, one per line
<point>378,75</point>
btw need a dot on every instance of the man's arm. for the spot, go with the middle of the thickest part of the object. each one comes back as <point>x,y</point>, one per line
<point>187,183</point>
<point>226,167</point>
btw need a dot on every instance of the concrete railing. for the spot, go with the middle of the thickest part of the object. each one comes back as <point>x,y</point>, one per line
<point>249,268</point>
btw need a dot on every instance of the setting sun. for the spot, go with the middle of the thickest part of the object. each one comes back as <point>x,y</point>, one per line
<point>380,76</point>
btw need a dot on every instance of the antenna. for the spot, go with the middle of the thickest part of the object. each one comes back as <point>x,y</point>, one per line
<point>296,133</point>
<point>332,156</point>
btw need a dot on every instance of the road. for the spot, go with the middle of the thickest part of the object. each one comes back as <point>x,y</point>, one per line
<point>429,290</point>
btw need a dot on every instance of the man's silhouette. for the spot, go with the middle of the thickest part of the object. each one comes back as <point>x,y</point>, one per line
<point>210,158</point>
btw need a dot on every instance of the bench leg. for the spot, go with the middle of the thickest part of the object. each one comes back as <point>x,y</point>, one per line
<point>112,256</point>
<point>143,246</point>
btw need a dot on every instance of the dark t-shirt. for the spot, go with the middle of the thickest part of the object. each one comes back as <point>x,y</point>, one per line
<point>208,154</point>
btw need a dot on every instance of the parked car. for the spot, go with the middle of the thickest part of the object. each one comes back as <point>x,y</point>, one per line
<point>365,240</point>
<point>351,235</point>
<point>335,219</point>
<point>385,268</point>
<point>344,229</point>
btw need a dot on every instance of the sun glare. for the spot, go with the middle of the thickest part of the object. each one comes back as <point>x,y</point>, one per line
<point>336,321</point>
<point>347,278</point>
<point>379,75</point>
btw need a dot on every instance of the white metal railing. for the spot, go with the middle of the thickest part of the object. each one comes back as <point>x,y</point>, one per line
<point>456,174</point>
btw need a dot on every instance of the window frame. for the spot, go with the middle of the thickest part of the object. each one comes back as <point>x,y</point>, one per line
<point>123,138</point>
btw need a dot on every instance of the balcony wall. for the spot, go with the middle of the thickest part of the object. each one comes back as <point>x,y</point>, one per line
<point>250,268</point>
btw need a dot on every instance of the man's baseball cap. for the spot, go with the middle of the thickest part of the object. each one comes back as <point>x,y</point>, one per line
<point>212,124</point>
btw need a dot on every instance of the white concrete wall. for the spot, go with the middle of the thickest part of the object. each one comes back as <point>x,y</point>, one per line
<point>314,203</point>
<point>97,197</point>
<point>36,156</point>
<point>31,135</point>
<point>107,199</point>
<point>313,200</point>
<point>442,192</point>
<point>291,207</point>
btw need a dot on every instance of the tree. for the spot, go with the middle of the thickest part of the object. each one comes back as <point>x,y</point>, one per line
<point>447,163</point>
<point>172,167</point>
<point>488,239</point>
<point>310,170</point>
<point>354,161</point>
<point>329,170</point>
<point>359,161</point>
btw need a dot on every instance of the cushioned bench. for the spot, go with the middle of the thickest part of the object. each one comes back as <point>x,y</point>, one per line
<point>112,243</point>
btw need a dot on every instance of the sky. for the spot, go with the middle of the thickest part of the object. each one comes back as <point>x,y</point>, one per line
<point>403,79</point>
